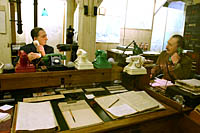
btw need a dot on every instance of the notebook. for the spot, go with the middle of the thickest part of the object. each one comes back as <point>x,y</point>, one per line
<point>127,103</point>
<point>78,115</point>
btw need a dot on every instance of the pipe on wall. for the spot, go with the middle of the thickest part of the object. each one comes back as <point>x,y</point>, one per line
<point>19,20</point>
<point>35,13</point>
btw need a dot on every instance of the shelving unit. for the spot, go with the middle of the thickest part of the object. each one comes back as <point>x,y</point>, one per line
<point>192,28</point>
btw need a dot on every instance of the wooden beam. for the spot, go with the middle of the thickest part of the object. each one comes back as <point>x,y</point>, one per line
<point>71,7</point>
<point>87,26</point>
<point>98,2</point>
<point>13,29</point>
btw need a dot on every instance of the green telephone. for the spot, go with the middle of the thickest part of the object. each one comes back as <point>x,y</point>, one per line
<point>179,51</point>
<point>53,59</point>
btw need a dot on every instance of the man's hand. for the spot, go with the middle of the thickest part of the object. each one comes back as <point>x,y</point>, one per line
<point>32,56</point>
<point>175,58</point>
<point>40,49</point>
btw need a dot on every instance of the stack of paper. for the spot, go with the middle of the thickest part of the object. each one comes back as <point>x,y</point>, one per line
<point>4,117</point>
<point>43,98</point>
<point>5,107</point>
<point>47,93</point>
<point>89,90</point>
<point>78,115</point>
<point>35,116</point>
<point>116,89</point>
<point>161,83</point>
<point>127,103</point>
<point>189,84</point>
<point>79,90</point>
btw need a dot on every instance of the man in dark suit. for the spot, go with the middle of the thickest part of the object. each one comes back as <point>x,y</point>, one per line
<point>38,47</point>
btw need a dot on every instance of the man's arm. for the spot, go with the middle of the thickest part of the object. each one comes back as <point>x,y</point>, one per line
<point>156,69</point>
<point>182,69</point>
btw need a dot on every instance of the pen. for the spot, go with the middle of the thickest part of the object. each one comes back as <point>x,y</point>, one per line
<point>72,115</point>
<point>113,103</point>
<point>166,84</point>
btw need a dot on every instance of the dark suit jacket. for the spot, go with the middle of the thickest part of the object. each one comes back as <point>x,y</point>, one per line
<point>31,48</point>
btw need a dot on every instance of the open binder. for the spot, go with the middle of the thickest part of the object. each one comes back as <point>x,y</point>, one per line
<point>127,103</point>
<point>78,115</point>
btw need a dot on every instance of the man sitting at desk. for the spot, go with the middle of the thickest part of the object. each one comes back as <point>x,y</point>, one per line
<point>38,47</point>
<point>172,63</point>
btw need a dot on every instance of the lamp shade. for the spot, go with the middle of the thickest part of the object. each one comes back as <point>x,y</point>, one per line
<point>44,12</point>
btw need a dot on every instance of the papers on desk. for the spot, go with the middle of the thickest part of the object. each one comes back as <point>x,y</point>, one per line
<point>43,98</point>
<point>192,85</point>
<point>44,93</point>
<point>35,116</point>
<point>88,90</point>
<point>121,51</point>
<point>78,115</point>
<point>116,89</point>
<point>71,91</point>
<point>5,107</point>
<point>90,96</point>
<point>161,83</point>
<point>121,110</point>
<point>4,117</point>
<point>151,53</point>
<point>139,101</point>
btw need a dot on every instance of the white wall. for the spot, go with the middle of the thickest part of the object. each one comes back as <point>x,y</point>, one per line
<point>5,38</point>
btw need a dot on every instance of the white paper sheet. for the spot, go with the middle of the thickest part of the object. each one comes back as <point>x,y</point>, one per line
<point>35,116</point>
<point>121,110</point>
<point>5,107</point>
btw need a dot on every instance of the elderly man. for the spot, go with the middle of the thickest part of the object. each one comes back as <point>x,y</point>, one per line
<point>172,63</point>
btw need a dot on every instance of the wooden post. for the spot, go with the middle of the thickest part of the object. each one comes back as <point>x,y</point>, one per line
<point>12,14</point>
<point>87,26</point>
<point>71,7</point>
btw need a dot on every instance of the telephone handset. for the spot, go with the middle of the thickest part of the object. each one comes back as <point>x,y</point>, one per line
<point>36,43</point>
<point>179,52</point>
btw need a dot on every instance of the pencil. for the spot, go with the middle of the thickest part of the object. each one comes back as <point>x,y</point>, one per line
<point>72,115</point>
<point>113,103</point>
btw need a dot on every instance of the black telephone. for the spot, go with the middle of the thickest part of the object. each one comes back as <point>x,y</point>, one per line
<point>179,51</point>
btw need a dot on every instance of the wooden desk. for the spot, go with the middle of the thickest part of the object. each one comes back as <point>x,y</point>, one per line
<point>161,121</point>
<point>56,78</point>
<point>167,100</point>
